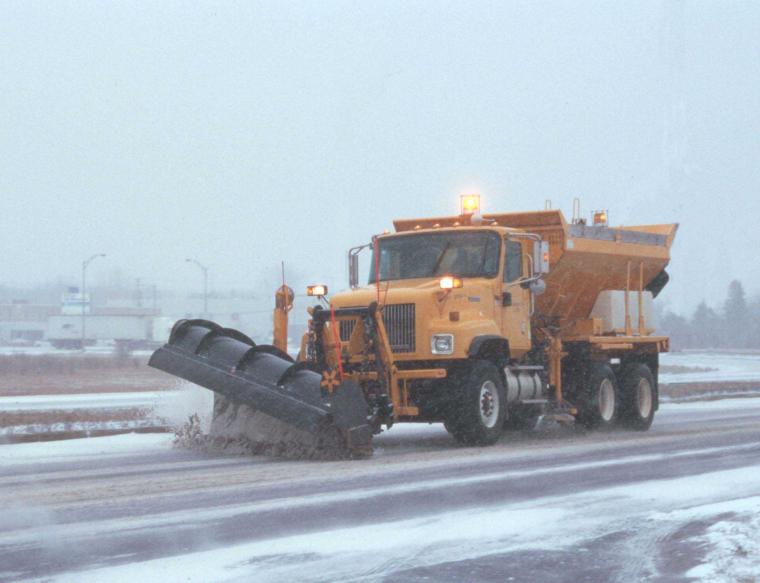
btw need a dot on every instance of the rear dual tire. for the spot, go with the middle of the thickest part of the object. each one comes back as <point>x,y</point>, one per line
<point>629,403</point>
<point>638,398</point>
<point>599,408</point>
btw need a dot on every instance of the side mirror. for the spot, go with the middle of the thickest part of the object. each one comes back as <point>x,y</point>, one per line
<point>541,257</point>
<point>353,269</point>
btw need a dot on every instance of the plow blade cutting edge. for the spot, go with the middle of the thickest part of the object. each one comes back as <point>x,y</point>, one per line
<point>255,380</point>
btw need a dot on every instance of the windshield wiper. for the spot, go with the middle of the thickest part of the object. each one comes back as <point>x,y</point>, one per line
<point>440,257</point>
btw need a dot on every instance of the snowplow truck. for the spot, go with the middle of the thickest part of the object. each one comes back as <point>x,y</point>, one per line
<point>483,322</point>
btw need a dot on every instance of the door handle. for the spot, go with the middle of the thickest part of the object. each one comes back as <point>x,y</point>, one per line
<point>506,299</point>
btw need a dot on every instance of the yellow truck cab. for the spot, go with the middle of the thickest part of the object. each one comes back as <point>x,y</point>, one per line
<point>443,288</point>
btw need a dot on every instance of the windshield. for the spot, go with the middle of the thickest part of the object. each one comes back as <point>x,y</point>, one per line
<point>465,254</point>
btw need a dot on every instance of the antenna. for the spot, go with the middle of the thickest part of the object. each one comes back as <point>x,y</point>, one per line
<point>576,210</point>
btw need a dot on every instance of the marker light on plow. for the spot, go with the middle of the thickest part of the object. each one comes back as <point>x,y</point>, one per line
<point>319,290</point>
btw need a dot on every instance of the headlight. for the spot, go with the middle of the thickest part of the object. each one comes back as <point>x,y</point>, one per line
<point>442,344</point>
<point>449,282</point>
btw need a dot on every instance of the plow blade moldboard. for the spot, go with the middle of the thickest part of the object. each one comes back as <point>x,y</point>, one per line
<point>262,395</point>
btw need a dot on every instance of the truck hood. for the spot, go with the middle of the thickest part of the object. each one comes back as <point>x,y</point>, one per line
<point>391,292</point>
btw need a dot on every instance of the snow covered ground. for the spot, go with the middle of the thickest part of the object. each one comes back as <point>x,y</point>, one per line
<point>732,546</point>
<point>138,399</point>
<point>46,348</point>
<point>85,413</point>
<point>727,367</point>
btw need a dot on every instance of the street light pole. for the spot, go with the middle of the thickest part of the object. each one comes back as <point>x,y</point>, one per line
<point>85,263</point>
<point>204,269</point>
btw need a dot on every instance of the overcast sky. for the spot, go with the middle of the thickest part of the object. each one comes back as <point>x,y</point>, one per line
<point>246,133</point>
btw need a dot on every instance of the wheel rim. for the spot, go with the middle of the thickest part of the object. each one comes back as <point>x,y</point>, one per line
<point>644,398</point>
<point>606,400</point>
<point>489,404</point>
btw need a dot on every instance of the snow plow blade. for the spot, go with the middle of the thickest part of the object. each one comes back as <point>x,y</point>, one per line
<point>267,398</point>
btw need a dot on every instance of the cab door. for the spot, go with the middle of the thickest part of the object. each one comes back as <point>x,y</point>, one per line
<point>515,299</point>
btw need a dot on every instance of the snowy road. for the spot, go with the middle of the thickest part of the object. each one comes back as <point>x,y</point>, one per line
<point>556,506</point>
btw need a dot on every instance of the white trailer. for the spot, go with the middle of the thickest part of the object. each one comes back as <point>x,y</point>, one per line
<point>65,331</point>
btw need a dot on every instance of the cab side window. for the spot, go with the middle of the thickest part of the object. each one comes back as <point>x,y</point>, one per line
<point>513,261</point>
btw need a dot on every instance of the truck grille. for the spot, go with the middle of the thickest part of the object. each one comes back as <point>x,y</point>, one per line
<point>399,320</point>
<point>346,329</point>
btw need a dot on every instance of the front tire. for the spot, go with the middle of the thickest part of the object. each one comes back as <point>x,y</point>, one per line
<point>599,409</point>
<point>638,398</point>
<point>479,405</point>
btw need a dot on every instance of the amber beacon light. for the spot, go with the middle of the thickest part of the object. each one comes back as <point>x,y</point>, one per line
<point>469,204</point>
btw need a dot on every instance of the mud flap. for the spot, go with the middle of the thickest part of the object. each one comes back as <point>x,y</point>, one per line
<point>267,380</point>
